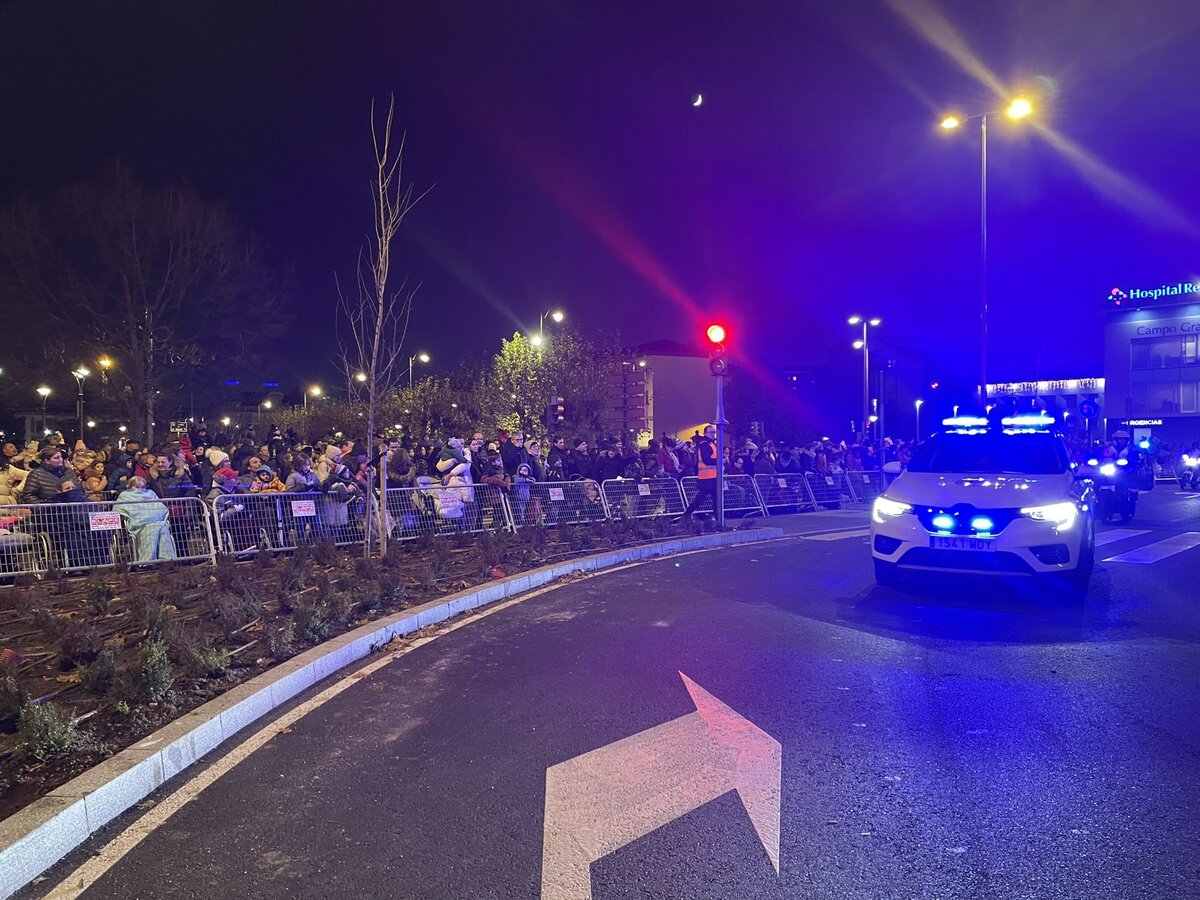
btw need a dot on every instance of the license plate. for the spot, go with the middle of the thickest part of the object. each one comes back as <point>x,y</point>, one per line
<point>985,545</point>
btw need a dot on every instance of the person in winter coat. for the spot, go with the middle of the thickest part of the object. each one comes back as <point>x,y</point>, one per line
<point>556,459</point>
<point>53,482</point>
<point>171,479</point>
<point>610,465</point>
<point>147,520</point>
<point>266,482</point>
<point>12,482</point>
<point>580,464</point>
<point>118,479</point>
<point>302,479</point>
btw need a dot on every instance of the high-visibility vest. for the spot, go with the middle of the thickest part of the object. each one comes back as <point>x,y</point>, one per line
<point>705,470</point>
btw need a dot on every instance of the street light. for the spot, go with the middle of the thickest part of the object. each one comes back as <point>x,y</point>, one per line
<point>315,390</point>
<point>43,392</point>
<point>556,315</point>
<point>864,345</point>
<point>80,374</point>
<point>1019,108</point>
<point>918,403</point>
<point>423,357</point>
<point>535,340</point>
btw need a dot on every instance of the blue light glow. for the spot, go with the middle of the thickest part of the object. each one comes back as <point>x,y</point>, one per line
<point>965,422</point>
<point>232,382</point>
<point>982,523</point>
<point>1032,421</point>
<point>944,522</point>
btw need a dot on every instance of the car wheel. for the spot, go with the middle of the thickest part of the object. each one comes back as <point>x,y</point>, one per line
<point>886,574</point>
<point>1077,580</point>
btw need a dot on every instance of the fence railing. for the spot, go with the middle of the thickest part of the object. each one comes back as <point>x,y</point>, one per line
<point>553,503</point>
<point>787,491</point>
<point>740,493</point>
<point>644,498</point>
<point>37,538</point>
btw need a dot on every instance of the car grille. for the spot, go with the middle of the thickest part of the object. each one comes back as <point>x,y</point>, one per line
<point>965,560</point>
<point>963,513</point>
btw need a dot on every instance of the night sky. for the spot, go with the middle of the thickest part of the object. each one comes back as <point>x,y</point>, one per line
<point>569,167</point>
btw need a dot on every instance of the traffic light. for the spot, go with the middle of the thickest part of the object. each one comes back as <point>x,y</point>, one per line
<point>556,413</point>
<point>717,363</point>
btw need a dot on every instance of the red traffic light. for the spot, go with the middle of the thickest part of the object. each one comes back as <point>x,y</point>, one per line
<point>716,333</point>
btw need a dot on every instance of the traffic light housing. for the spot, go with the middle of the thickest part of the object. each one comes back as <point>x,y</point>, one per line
<point>717,334</point>
<point>556,413</point>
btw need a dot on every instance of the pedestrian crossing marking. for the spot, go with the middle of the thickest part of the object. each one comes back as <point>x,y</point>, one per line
<point>838,535</point>
<point>1159,550</point>
<point>1118,534</point>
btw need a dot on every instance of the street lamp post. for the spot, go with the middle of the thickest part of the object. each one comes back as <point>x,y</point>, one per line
<point>1017,109</point>
<point>43,392</point>
<point>555,314</point>
<point>864,345</point>
<point>315,390</point>
<point>423,357</point>
<point>918,405</point>
<point>80,374</point>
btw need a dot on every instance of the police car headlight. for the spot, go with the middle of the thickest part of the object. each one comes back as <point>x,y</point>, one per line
<point>1108,469</point>
<point>1061,515</point>
<point>884,509</point>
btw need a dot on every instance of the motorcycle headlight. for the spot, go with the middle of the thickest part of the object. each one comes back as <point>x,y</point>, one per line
<point>1061,515</point>
<point>1122,462</point>
<point>1108,469</point>
<point>884,509</point>
<point>1191,461</point>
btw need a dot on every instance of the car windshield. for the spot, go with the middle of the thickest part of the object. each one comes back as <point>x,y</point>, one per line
<point>991,453</point>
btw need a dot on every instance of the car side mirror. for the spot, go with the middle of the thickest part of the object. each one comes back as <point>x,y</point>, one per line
<point>892,468</point>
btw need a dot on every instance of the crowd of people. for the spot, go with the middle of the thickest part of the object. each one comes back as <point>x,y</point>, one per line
<point>227,473</point>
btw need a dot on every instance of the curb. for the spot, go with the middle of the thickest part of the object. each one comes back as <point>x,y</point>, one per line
<point>38,836</point>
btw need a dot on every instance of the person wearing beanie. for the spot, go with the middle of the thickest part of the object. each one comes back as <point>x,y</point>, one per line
<point>579,464</point>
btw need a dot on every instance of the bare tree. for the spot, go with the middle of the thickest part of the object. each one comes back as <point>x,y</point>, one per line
<point>150,278</point>
<point>374,320</point>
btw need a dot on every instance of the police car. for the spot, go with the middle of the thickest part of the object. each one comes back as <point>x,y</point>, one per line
<point>987,498</point>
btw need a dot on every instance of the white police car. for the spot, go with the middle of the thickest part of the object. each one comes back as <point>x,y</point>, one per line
<point>984,499</point>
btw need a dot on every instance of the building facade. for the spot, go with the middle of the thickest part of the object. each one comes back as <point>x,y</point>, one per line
<point>1152,362</point>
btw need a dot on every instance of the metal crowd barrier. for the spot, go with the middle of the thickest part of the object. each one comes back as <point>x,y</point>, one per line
<point>865,485</point>
<point>740,493</point>
<point>829,489</point>
<point>552,503</point>
<point>436,509</point>
<point>645,498</point>
<point>38,537</point>
<point>785,490</point>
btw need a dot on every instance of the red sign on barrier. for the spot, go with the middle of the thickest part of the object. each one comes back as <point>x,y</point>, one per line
<point>104,521</point>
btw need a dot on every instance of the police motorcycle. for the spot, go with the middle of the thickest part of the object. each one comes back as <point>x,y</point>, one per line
<point>1189,470</point>
<point>1118,479</point>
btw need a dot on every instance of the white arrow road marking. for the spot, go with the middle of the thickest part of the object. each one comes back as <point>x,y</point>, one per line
<point>599,802</point>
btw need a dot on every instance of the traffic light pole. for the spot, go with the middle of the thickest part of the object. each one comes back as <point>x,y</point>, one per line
<point>721,422</point>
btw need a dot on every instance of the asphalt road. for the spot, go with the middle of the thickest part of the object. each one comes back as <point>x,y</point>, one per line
<point>944,741</point>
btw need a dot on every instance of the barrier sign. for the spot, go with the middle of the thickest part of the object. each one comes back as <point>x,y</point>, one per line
<point>643,490</point>
<point>829,480</point>
<point>302,508</point>
<point>104,521</point>
<point>556,493</point>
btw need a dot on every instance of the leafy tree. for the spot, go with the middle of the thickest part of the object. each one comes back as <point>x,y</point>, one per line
<point>523,378</point>
<point>154,279</point>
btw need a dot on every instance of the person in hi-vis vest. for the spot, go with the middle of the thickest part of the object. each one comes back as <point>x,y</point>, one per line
<point>706,471</point>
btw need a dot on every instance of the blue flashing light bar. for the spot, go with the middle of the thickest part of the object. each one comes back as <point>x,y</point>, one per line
<point>965,422</point>
<point>231,381</point>
<point>1031,421</point>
